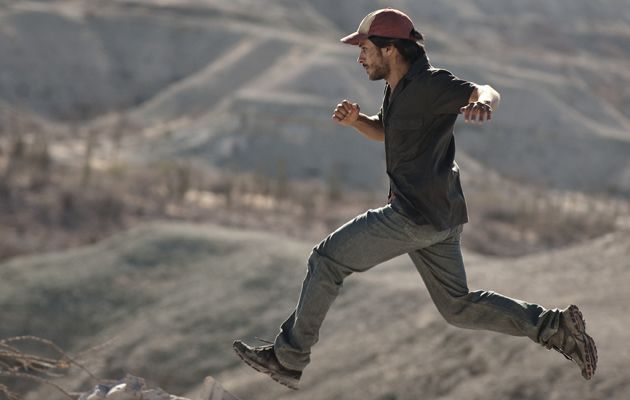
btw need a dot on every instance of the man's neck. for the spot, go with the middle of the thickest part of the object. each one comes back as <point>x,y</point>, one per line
<point>397,71</point>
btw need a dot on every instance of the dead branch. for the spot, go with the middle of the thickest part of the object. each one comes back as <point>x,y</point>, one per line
<point>16,363</point>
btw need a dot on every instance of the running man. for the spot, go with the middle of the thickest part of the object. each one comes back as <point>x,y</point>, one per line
<point>424,214</point>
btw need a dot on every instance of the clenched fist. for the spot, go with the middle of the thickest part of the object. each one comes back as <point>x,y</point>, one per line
<point>346,113</point>
<point>476,112</point>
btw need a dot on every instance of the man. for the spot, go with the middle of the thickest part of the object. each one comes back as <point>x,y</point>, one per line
<point>425,211</point>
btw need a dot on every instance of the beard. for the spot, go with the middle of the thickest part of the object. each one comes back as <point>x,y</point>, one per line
<point>378,71</point>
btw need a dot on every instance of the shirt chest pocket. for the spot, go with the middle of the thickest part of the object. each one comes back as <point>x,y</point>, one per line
<point>404,134</point>
<point>407,138</point>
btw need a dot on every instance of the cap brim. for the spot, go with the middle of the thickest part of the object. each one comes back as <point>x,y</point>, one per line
<point>354,38</point>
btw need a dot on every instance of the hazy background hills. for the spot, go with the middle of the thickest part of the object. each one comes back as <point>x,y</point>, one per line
<point>213,118</point>
<point>257,80</point>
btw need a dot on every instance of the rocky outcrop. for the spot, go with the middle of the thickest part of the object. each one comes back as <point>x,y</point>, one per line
<point>134,388</point>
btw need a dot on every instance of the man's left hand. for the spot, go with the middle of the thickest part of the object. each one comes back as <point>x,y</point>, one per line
<point>476,112</point>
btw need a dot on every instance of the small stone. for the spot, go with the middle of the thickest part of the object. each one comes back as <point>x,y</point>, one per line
<point>122,392</point>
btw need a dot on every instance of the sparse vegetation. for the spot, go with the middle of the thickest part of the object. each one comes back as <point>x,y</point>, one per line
<point>47,204</point>
<point>520,220</point>
<point>34,360</point>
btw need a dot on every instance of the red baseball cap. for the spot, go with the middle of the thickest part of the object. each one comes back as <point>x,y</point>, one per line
<point>386,22</point>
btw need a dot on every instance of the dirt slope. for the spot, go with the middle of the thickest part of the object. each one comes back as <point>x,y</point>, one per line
<point>174,296</point>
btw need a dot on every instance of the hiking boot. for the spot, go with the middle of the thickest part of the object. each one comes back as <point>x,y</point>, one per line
<point>573,342</point>
<point>263,359</point>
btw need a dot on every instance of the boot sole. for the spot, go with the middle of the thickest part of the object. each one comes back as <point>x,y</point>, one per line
<point>273,374</point>
<point>578,330</point>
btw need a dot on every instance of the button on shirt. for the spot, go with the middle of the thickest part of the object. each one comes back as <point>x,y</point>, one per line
<point>418,119</point>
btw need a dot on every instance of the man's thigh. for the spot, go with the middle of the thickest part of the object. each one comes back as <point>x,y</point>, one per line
<point>369,239</point>
<point>441,265</point>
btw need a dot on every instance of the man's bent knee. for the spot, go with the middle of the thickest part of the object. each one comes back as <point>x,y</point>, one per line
<point>453,310</point>
<point>327,268</point>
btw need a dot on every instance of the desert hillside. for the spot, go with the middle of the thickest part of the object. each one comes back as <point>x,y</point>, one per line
<point>245,86</point>
<point>169,299</point>
<point>133,108</point>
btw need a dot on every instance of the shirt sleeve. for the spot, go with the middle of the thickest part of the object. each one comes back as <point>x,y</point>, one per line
<point>449,92</point>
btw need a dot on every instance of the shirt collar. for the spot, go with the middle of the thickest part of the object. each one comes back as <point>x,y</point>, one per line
<point>418,67</point>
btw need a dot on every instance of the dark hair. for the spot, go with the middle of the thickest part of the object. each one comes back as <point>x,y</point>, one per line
<point>408,49</point>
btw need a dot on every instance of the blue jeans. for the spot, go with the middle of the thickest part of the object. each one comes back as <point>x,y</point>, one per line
<point>379,235</point>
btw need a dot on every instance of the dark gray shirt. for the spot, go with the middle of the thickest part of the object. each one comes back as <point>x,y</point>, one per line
<point>418,119</point>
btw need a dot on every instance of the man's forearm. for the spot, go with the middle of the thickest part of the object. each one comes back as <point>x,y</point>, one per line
<point>371,127</point>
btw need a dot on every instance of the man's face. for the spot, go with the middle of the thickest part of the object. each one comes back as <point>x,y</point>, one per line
<point>371,58</point>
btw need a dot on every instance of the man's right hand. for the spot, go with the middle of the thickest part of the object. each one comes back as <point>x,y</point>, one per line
<point>346,113</point>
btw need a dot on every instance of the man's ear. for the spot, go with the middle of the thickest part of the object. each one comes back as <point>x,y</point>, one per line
<point>389,50</point>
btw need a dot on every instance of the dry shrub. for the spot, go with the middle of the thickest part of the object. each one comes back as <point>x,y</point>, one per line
<point>36,360</point>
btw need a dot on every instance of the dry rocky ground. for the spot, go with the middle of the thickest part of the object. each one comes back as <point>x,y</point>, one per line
<point>168,299</point>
